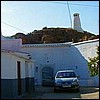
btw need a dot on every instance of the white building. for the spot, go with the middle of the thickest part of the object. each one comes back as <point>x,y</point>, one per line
<point>59,56</point>
<point>17,70</point>
<point>49,58</point>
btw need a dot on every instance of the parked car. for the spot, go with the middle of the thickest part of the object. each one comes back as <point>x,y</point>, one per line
<point>66,80</point>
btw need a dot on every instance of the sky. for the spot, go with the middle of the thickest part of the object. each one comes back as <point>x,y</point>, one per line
<point>27,16</point>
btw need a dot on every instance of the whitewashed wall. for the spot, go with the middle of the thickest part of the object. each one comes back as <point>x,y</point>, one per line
<point>11,44</point>
<point>30,69</point>
<point>88,48</point>
<point>9,66</point>
<point>60,58</point>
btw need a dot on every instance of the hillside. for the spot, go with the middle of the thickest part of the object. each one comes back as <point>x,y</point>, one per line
<point>54,35</point>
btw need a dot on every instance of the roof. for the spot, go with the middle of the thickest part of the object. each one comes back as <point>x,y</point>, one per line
<point>17,53</point>
<point>84,42</point>
<point>48,45</point>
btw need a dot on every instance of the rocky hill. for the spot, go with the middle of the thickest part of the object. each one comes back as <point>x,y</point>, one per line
<point>54,35</point>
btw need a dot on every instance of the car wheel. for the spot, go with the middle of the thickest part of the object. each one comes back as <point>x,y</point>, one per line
<point>55,90</point>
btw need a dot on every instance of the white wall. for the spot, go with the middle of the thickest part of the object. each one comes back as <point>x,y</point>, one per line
<point>43,55</point>
<point>60,58</point>
<point>9,66</point>
<point>30,69</point>
<point>88,49</point>
<point>11,44</point>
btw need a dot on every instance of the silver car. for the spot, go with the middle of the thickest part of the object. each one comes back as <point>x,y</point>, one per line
<point>66,80</point>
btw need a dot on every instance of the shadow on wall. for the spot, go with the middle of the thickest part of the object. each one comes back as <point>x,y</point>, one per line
<point>79,62</point>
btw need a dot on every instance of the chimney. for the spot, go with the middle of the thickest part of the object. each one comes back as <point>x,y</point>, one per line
<point>77,23</point>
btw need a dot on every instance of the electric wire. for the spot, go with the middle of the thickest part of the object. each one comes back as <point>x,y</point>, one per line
<point>76,4</point>
<point>69,14</point>
<point>54,2</point>
<point>13,27</point>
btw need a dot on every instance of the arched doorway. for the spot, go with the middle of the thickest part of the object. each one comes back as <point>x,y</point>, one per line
<point>47,76</point>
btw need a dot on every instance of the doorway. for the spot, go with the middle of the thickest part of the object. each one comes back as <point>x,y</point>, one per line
<point>47,76</point>
<point>19,77</point>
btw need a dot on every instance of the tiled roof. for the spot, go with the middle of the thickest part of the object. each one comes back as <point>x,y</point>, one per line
<point>47,45</point>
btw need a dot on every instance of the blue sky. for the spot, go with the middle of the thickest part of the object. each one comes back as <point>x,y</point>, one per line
<point>27,16</point>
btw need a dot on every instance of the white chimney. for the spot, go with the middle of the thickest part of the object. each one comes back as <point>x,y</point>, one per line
<point>77,23</point>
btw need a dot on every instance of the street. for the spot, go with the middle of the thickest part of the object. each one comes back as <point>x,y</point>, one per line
<point>48,93</point>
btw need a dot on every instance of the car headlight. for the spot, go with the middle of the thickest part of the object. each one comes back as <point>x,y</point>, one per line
<point>75,82</point>
<point>58,82</point>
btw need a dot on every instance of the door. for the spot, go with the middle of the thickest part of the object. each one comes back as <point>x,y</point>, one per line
<point>47,76</point>
<point>19,77</point>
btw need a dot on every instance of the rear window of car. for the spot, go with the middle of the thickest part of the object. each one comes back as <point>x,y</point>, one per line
<point>65,74</point>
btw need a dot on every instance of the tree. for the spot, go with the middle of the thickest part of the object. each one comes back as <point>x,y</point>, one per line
<point>93,64</point>
<point>45,27</point>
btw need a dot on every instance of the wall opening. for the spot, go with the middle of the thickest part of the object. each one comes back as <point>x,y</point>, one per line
<point>19,77</point>
<point>47,76</point>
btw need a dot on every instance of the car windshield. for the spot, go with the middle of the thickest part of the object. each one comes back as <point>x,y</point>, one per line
<point>65,74</point>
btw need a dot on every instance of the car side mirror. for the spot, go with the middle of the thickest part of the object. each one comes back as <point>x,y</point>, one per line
<point>78,76</point>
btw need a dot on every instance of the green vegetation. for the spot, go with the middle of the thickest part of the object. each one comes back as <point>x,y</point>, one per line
<point>93,64</point>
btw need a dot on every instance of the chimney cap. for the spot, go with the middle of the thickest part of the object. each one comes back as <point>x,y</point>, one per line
<point>76,14</point>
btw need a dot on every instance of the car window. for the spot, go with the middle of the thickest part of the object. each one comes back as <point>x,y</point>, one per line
<point>65,74</point>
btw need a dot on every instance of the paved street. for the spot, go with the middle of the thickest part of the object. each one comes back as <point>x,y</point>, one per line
<point>48,93</point>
